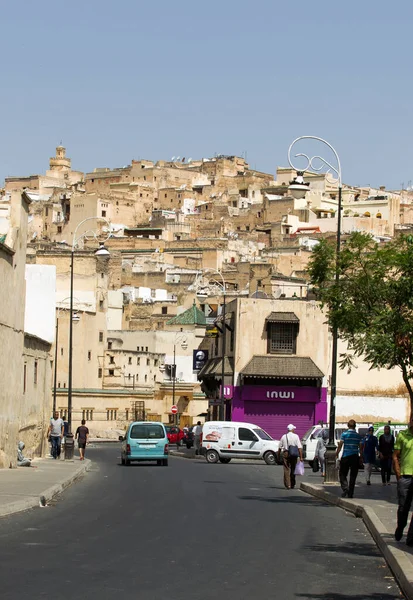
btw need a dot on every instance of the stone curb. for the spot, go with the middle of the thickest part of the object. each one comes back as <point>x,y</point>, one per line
<point>396,558</point>
<point>182,455</point>
<point>49,493</point>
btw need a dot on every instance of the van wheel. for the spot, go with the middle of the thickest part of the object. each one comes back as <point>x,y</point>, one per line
<point>225,461</point>
<point>127,462</point>
<point>270,458</point>
<point>212,456</point>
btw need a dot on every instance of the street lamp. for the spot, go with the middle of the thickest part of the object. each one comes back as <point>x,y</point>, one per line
<point>330,471</point>
<point>180,338</point>
<point>75,319</point>
<point>203,293</point>
<point>102,252</point>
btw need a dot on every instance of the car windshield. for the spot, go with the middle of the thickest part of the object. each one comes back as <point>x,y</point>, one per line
<point>307,434</point>
<point>145,432</point>
<point>262,434</point>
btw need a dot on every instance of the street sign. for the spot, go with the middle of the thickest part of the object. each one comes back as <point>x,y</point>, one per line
<point>174,409</point>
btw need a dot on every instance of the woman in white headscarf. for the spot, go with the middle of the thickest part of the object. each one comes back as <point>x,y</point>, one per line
<point>321,450</point>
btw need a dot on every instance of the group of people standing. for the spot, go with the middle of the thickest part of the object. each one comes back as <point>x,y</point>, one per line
<point>58,430</point>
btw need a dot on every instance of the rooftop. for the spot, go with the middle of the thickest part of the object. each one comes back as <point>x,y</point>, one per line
<point>192,316</point>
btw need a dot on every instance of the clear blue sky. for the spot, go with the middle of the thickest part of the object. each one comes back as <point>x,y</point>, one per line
<point>153,79</point>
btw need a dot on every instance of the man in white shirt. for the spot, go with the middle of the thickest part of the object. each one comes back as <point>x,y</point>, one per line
<point>56,429</point>
<point>197,431</point>
<point>292,450</point>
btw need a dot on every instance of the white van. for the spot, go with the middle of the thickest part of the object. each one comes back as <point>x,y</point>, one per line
<point>310,438</point>
<point>224,440</point>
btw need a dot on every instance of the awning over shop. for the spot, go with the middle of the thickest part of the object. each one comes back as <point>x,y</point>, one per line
<point>213,368</point>
<point>282,367</point>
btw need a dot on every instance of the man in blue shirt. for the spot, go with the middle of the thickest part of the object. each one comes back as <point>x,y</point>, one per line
<point>370,447</point>
<point>350,461</point>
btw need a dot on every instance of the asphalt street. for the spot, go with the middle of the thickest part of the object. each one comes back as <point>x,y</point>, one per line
<point>190,530</point>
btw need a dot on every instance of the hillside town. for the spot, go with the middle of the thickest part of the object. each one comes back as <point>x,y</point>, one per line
<point>201,300</point>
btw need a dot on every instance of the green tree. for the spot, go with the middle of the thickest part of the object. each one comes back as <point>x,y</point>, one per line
<point>372,302</point>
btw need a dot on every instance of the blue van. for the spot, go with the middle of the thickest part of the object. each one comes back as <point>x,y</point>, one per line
<point>144,440</point>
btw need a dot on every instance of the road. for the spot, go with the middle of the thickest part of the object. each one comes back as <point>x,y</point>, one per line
<point>191,530</point>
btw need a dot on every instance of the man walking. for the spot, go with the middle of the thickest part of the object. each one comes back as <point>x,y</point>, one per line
<point>403,467</point>
<point>370,446</point>
<point>82,437</point>
<point>292,450</point>
<point>197,431</point>
<point>350,461</point>
<point>386,448</point>
<point>56,429</point>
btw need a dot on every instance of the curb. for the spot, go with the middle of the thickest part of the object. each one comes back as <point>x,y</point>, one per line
<point>396,558</point>
<point>182,455</point>
<point>49,493</point>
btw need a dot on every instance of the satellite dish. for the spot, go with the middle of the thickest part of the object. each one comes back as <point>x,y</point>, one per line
<point>189,160</point>
<point>259,295</point>
<point>173,158</point>
<point>178,157</point>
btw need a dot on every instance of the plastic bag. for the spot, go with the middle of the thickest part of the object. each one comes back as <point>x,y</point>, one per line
<point>299,469</point>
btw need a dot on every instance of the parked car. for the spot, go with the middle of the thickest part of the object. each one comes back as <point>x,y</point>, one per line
<point>310,438</point>
<point>175,435</point>
<point>224,440</point>
<point>144,440</point>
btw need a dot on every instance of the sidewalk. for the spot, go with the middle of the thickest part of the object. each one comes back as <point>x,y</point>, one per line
<point>377,506</point>
<point>184,452</point>
<point>21,488</point>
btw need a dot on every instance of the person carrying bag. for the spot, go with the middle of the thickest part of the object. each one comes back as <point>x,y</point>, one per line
<point>291,449</point>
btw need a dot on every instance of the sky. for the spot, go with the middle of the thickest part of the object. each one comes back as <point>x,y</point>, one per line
<point>116,81</point>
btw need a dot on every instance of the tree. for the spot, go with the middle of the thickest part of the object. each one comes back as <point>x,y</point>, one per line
<point>371,304</point>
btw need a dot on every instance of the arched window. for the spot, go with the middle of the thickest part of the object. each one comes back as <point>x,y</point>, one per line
<point>378,216</point>
<point>366,214</point>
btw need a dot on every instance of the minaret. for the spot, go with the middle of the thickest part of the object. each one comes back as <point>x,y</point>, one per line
<point>60,162</point>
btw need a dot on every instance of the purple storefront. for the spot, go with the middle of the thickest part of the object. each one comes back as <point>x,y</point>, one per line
<point>276,391</point>
<point>273,407</point>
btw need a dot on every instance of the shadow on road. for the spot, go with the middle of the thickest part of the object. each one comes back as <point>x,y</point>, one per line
<point>334,596</point>
<point>346,548</point>
<point>285,499</point>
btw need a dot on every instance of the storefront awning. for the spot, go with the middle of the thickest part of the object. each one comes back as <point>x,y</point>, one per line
<point>213,368</point>
<point>282,367</point>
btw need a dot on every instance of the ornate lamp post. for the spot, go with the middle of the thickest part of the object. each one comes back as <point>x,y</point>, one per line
<point>102,251</point>
<point>297,188</point>
<point>181,339</point>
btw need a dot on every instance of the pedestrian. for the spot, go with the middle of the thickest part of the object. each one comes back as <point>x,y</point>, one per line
<point>65,429</point>
<point>350,461</point>
<point>292,450</point>
<point>82,437</point>
<point>370,446</point>
<point>56,429</point>
<point>197,431</point>
<point>22,461</point>
<point>320,450</point>
<point>403,467</point>
<point>386,448</point>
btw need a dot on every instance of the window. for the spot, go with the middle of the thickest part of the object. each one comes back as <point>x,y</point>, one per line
<point>138,361</point>
<point>61,351</point>
<point>246,435</point>
<point>103,213</point>
<point>89,355</point>
<point>130,360</point>
<point>111,372</point>
<point>259,282</point>
<point>100,373</point>
<point>63,413</point>
<point>247,228</point>
<point>109,345</point>
<point>111,414</point>
<point>112,360</point>
<point>146,349</point>
<point>147,431</point>
<point>146,378</point>
<point>231,341</point>
<point>87,414</point>
<point>35,373</point>
<point>155,362</point>
<point>59,229</point>
<point>45,226</point>
<point>148,362</point>
<point>47,212</point>
<point>166,195</point>
<point>100,336</point>
<point>127,414</point>
<point>164,310</point>
<point>101,304</point>
<point>58,385</point>
<point>102,275</point>
<point>282,338</point>
<point>24,377</point>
